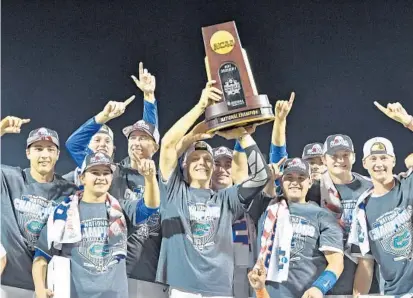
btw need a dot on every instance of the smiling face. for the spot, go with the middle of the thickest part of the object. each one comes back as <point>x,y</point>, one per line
<point>296,186</point>
<point>340,162</point>
<point>97,180</point>
<point>141,144</point>
<point>380,167</point>
<point>317,167</point>
<point>43,156</point>
<point>221,177</point>
<point>102,142</point>
<point>200,166</point>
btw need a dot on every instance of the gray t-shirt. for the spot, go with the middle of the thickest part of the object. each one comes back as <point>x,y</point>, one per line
<point>144,243</point>
<point>349,194</point>
<point>95,273</point>
<point>197,248</point>
<point>389,220</point>
<point>25,207</point>
<point>315,231</point>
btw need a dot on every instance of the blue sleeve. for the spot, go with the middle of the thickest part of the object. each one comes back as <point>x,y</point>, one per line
<point>77,143</point>
<point>238,147</point>
<point>150,113</point>
<point>137,211</point>
<point>276,154</point>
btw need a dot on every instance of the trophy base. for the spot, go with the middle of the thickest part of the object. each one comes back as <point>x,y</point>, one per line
<point>259,112</point>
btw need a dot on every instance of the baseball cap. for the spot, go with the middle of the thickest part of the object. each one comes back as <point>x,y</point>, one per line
<point>144,126</point>
<point>97,159</point>
<point>200,145</point>
<point>336,143</point>
<point>312,150</point>
<point>43,134</point>
<point>297,165</point>
<point>378,145</point>
<point>105,129</point>
<point>222,151</point>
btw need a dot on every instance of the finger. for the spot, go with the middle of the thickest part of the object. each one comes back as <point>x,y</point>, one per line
<point>129,100</point>
<point>278,106</point>
<point>285,106</point>
<point>140,69</point>
<point>381,108</point>
<point>145,71</point>
<point>214,97</point>
<point>24,121</point>
<point>292,97</point>
<point>18,123</point>
<point>210,83</point>
<point>135,79</point>
<point>281,161</point>
<point>153,80</point>
<point>214,89</point>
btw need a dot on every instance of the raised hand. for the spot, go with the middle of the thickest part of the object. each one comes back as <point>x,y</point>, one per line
<point>283,107</point>
<point>113,109</point>
<point>209,95</point>
<point>396,112</point>
<point>275,169</point>
<point>146,167</point>
<point>146,82</point>
<point>12,124</point>
<point>235,133</point>
<point>257,276</point>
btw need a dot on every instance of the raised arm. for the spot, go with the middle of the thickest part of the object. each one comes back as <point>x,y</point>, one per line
<point>169,154</point>
<point>78,142</point>
<point>146,167</point>
<point>259,171</point>
<point>396,112</point>
<point>12,124</point>
<point>147,84</point>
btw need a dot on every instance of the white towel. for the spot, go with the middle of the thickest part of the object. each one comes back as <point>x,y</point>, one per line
<point>276,245</point>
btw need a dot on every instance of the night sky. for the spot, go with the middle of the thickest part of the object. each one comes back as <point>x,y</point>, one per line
<point>63,60</point>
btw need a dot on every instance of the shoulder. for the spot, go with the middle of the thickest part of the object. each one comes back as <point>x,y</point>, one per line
<point>66,186</point>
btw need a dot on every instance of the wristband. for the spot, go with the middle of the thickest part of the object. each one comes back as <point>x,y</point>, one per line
<point>238,147</point>
<point>326,281</point>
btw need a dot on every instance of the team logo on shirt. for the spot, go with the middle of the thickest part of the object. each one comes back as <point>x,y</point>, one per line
<point>393,231</point>
<point>32,213</point>
<point>347,215</point>
<point>302,229</point>
<point>203,219</point>
<point>152,225</point>
<point>94,249</point>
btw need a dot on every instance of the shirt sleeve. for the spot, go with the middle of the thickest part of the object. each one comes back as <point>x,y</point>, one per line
<point>136,211</point>
<point>331,234</point>
<point>41,249</point>
<point>77,144</point>
<point>174,187</point>
<point>406,183</point>
<point>276,154</point>
<point>150,113</point>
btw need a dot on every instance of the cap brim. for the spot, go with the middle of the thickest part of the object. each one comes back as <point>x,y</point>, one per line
<point>127,131</point>
<point>331,151</point>
<point>306,157</point>
<point>34,140</point>
<point>296,171</point>
<point>112,166</point>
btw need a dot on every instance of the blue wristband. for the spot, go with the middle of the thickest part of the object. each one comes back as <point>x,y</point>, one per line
<point>326,281</point>
<point>238,147</point>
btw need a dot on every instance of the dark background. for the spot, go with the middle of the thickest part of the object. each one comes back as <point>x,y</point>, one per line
<point>63,60</point>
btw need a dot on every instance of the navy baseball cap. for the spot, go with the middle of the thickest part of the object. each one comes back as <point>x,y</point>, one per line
<point>43,134</point>
<point>97,159</point>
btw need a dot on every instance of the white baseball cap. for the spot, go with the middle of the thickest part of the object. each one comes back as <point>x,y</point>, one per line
<point>378,145</point>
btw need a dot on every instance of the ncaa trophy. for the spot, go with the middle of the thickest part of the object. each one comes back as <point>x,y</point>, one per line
<point>226,62</point>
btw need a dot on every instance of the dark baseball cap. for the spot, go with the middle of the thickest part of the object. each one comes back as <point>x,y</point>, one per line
<point>222,151</point>
<point>43,134</point>
<point>144,126</point>
<point>312,150</point>
<point>200,145</point>
<point>97,159</point>
<point>336,143</point>
<point>298,166</point>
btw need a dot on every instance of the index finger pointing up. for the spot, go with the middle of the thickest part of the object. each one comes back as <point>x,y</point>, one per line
<point>140,68</point>
<point>129,100</point>
<point>292,97</point>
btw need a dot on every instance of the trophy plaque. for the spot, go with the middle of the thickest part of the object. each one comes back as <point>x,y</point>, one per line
<point>226,62</point>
